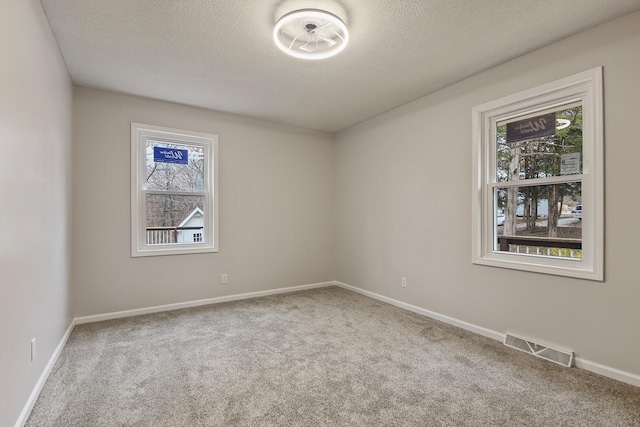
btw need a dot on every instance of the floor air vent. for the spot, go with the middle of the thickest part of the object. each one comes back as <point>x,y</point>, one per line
<point>561,357</point>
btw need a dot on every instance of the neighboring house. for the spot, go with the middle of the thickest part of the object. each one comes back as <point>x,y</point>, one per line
<point>190,230</point>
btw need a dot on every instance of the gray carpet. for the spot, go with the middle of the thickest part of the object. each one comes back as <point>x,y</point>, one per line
<point>325,357</point>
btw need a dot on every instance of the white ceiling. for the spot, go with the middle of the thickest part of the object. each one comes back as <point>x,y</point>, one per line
<point>219,54</point>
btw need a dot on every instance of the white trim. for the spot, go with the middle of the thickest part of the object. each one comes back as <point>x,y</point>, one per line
<point>616,374</point>
<point>26,410</point>
<point>28,407</point>
<point>606,371</point>
<point>196,303</point>
<point>489,333</point>
<point>140,133</point>
<point>585,87</point>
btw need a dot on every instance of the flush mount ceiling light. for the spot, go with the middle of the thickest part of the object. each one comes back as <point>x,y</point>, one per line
<point>311,34</point>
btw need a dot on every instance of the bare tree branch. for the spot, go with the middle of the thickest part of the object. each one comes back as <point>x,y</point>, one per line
<point>155,166</point>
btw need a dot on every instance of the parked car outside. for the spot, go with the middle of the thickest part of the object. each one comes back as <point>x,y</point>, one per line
<point>578,212</point>
<point>500,219</point>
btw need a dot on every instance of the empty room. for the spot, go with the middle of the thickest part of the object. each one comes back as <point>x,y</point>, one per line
<point>319,212</point>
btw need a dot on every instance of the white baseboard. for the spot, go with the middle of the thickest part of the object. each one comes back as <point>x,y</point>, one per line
<point>26,411</point>
<point>432,314</point>
<point>196,303</point>
<point>607,371</point>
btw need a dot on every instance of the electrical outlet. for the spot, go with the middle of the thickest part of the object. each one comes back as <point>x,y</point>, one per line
<point>224,279</point>
<point>33,349</point>
<point>404,282</point>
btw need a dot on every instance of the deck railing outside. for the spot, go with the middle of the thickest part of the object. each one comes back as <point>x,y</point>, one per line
<point>165,235</point>
<point>560,247</point>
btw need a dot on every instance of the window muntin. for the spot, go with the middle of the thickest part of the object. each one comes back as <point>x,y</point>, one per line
<point>565,162</point>
<point>174,197</point>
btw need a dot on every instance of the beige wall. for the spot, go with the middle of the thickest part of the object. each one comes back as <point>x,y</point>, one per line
<point>403,198</point>
<point>35,144</point>
<point>276,227</point>
<point>388,198</point>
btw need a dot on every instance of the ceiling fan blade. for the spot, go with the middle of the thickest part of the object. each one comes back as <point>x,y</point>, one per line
<point>320,28</point>
<point>310,46</point>
<point>329,42</point>
<point>292,42</point>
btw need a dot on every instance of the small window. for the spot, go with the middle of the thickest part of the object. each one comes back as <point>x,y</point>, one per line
<point>537,162</point>
<point>173,195</point>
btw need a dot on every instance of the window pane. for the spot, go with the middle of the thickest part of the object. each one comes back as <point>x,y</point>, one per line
<point>174,219</point>
<point>539,220</point>
<point>174,167</point>
<point>531,147</point>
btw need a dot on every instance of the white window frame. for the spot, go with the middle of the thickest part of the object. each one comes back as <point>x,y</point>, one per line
<point>585,87</point>
<point>140,133</point>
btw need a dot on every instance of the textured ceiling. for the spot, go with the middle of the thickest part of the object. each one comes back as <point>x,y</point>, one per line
<point>219,54</point>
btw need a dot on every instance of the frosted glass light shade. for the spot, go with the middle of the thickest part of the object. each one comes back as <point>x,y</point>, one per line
<point>311,34</point>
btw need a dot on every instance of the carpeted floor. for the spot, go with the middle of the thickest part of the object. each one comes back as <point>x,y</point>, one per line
<point>325,357</point>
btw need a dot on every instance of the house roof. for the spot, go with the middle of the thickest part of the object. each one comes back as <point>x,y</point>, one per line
<point>219,54</point>
<point>193,213</point>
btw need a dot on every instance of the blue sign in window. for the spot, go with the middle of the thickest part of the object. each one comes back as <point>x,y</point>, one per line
<point>170,155</point>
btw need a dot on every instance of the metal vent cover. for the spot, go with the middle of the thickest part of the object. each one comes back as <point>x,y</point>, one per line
<point>561,357</point>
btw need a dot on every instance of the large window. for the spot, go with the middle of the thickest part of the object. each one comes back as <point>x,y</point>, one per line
<point>537,168</point>
<point>173,191</point>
